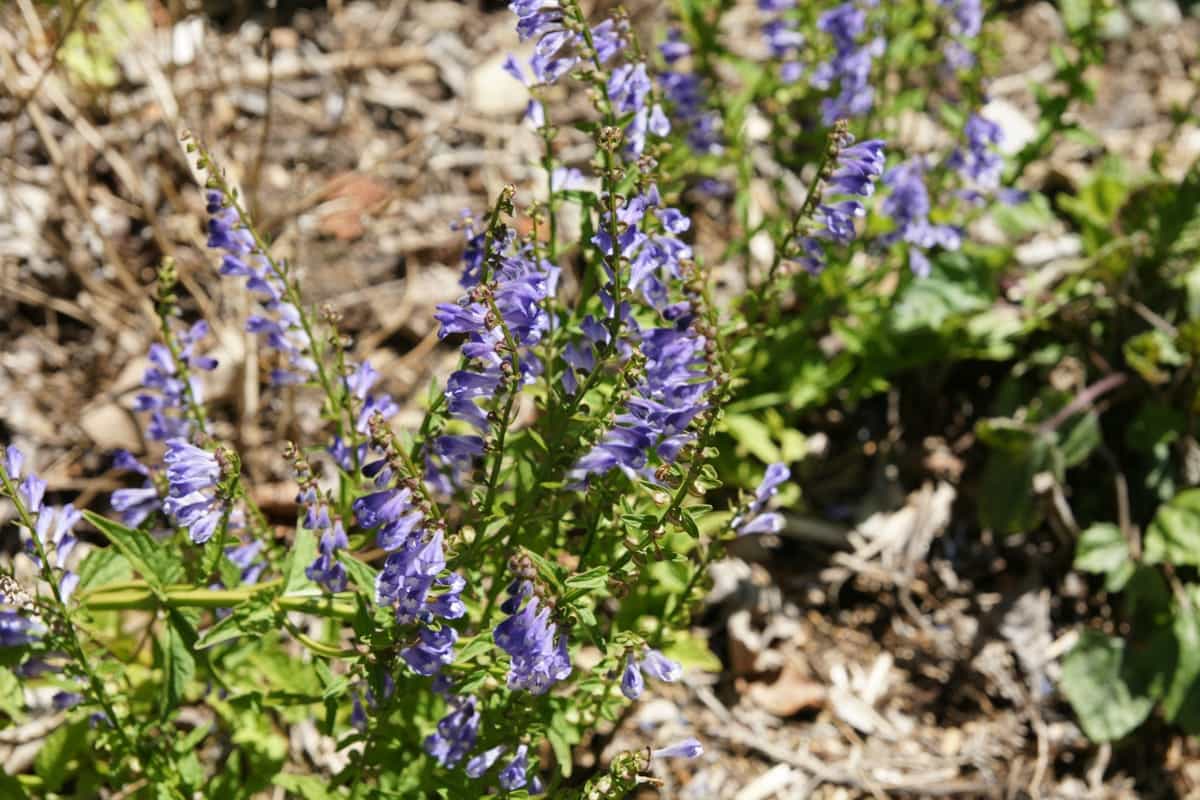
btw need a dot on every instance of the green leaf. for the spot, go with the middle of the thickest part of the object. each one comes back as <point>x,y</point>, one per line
<point>1076,14</point>
<point>309,787</point>
<point>178,663</point>
<point>102,566</point>
<point>545,569</point>
<point>11,788</point>
<point>475,646</point>
<point>1078,438</point>
<point>594,578</point>
<point>67,741</point>
<point>362,575</point>
<point>1181,703</point>
<point>12,698</point>
<point>693,651</point>
<point>1103,550</point>
<point>1006,503</point>
<point>753,435</point>
<point>302,554</point>
<point>155,562</point>
<point>562,734</point>
<point>254,616</point>
<point>1174,533</point>
<point>1096,683</point>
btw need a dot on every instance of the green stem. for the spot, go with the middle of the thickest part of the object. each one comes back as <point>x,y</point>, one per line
<point>74,646</point>
<point>127,596</point>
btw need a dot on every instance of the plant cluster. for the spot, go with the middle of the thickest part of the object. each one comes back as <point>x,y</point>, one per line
<point>460,604</point>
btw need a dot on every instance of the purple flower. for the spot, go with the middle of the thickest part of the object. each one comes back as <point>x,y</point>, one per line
<point>850,67</point>
<point>434,650</point>
<point>193,501</point>
<point>513,775</point>
<point>281,325</point>
<point>246,557</point>
<point>656,665</point>
<point>17,630</point>
<point>673,48</point>
<point>688,748</point>
<point>53,532</point>
<point>518,289</point>
<point>908,206</point>
<point>966,22</point>
<point>538,653</point>
<point>135,505</point>
<point>483,762</point>
<point>854,173</point>
<point>456,732</point>
<point>359,385</point>
<point>13,460</point>
<point>755,518</point>
<point>558,49</point>
<point>632,683</point>
<point>979,163</point>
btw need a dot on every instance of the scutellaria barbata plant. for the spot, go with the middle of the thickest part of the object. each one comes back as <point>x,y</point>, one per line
<point>460,603</point>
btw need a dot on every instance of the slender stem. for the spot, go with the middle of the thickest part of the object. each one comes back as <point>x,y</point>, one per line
<point>292,294</point>
<point>74,646</point>
<point>128,596</point>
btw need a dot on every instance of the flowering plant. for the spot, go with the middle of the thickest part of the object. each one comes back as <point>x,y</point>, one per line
<point>510,572</point>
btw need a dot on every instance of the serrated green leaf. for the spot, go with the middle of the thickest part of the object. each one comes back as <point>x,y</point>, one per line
<point>361,575</point>
<point>594,578</point>
<point>1174,533</point>
<point>157,564</point>
<point>178,663</point>
<point>475,646</point>
<point>102,566</point>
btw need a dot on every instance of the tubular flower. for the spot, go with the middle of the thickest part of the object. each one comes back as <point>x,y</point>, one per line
<point>850,67</point>
<point>17,630</point>
<point>632,683</point>
<point>456,732</point>
<point>53,525</point>
<point>979,163</point>
<point>505,312</point>
<point>657,416</point>
<point>558,50</point>
<point>325,569</point>
<point>280,325</point>
<point>513,776</point>
<point>483,762</point>
<point>688,748</point>
<point>135,505</point>
<point>168,401</point>
<point>193,500</point>
<point>966,21</point>
<point>538,652</point>
<point>755,518</point>
<point>854,173</point>
<point>683,90</point>
<point>908,206</point>
<point>782,38</point>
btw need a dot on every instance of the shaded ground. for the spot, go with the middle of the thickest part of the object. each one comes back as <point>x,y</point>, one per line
<point>889,657</point>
